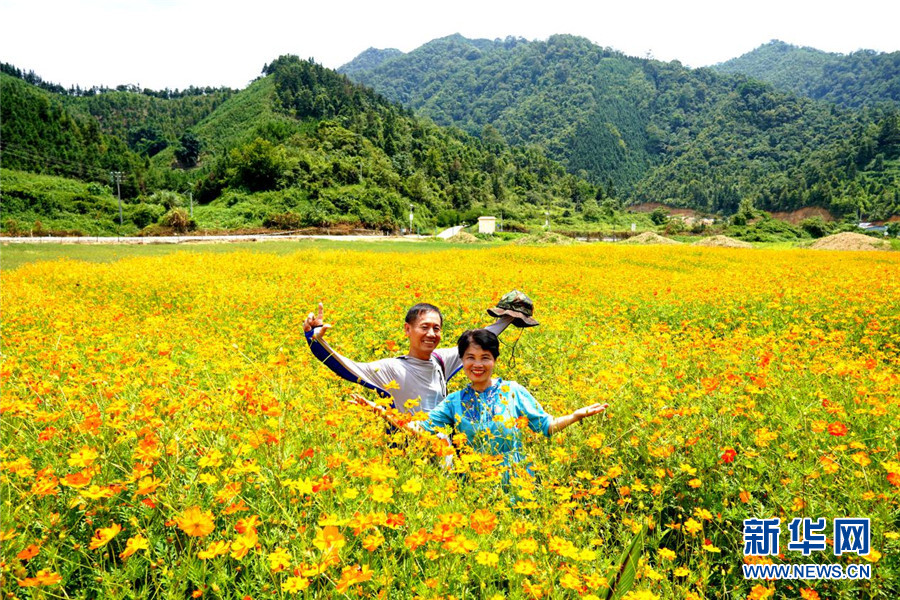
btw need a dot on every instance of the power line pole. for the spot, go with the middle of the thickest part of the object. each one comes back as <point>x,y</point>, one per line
<point>117,177</point>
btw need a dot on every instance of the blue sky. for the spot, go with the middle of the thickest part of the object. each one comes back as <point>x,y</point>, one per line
<point>177,43</point>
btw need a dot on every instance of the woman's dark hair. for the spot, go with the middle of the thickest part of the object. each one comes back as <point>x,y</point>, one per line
<point>413,314</point>
<point>482,337</point>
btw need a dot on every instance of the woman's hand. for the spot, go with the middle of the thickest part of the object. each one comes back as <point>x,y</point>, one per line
<point>560,423</point>
<point>589,411</point>
<point>363,401</point>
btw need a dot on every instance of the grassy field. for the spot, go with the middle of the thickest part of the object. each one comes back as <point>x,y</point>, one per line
<point>15,255</point>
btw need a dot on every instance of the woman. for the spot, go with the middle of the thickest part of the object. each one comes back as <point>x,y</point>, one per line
<point>487,410</point>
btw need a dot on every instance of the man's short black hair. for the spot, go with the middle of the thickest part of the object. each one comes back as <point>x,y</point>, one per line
<point>482,337</point>
<point>413,314</point>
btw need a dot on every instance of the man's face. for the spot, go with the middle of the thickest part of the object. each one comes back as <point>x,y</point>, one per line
<point>424,335</point>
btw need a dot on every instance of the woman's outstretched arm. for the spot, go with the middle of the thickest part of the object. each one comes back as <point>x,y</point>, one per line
<point>560,423</point>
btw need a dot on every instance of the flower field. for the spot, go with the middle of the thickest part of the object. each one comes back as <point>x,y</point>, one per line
<point>167,434</point>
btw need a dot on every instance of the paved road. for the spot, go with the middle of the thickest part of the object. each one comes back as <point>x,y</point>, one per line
<point>449,233</point>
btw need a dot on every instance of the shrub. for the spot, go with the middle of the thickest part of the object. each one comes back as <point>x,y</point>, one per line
<point>815,226</point>
<point>144,214</point>
<point>284,221</point>
<point>179,220</point>
<point>659,216</point>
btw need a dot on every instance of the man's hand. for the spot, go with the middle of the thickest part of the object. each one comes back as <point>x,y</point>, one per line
<point>316,320</point>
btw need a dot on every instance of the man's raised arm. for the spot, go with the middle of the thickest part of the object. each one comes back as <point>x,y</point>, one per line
<point>373,376</point>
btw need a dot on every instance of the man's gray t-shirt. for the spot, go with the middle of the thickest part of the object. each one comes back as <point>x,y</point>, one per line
<point>406,378</point>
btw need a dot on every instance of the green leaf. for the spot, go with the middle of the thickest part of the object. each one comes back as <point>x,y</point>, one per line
<point>621,577</point>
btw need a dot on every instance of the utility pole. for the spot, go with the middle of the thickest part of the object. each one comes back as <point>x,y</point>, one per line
<point>191,195</point>
<point>117,177</point>
<point>410,218</point>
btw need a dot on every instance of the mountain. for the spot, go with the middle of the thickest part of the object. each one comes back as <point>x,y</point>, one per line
<point>300,146</point>
<point>370,59</point>
<point>861,79</point>
<point>652,131</point>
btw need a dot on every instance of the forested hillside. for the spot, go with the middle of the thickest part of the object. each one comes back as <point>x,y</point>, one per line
<point>302,145</point>
<point>652,131</point>
<point>861,79</point>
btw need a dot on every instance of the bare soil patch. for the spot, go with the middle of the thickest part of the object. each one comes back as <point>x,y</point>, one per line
<point>850,241</point>
<point>795,216</point>
<point>546,238</point>
<point>648,237</point>
<point>464,237</point>
<point>722,241</point>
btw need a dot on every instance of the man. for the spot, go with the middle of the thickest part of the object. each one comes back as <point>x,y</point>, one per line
<point>423,373</point>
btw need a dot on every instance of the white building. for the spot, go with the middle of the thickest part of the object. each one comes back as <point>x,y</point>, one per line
<point>487,224</point>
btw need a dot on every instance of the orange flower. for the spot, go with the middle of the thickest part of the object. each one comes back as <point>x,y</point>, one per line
<point>43,577</point>
<point>104,535</point>
<point>414,540</point>
<point>837,429</point>
<point>29,552</point>
<point>78,480</point>
<point>483,521</point>
<point>247,524</point>
<point>372,541</point>
<point>196,522</point>
<point>728,455</point>
<point>352,576</point>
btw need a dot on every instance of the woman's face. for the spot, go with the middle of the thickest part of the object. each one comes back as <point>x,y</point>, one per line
<point>478,364</point>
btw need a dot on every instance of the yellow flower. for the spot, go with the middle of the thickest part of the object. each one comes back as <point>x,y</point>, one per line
<point>381,493</point>
<point>279,560</point>
<point>196,522</point>
<point>134,543</point>
<point>873,556</point>
<point>681,572</point>
<point>372,541</point>
<point>524,567</point>
<point>104,535</point>
<point>95,492</point>
<point>666,554</point>
<point>243,543</point>
<point>570,581</point>
<point>214,549</point>
<point>147,485</point>
<point>413,486</point>
<point>329,538</point>
<point>207,478</point>
<point>488,559</point>
<point>292,585</point>
<point>83,458</point>
<point>692,526</point>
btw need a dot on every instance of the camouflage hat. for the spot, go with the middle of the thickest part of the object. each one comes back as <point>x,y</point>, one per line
<point>517,305</point>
